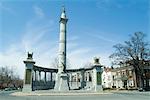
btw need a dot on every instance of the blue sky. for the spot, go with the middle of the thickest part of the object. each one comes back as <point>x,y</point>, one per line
<point>94,26</point>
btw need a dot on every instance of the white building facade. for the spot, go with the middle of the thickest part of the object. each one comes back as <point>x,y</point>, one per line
<point>107,78</point>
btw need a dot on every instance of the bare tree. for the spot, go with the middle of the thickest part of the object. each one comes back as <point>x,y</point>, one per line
<point>88,65</point>
<point>8,78</point>
<point>55,63</point>
<point>135,52</point>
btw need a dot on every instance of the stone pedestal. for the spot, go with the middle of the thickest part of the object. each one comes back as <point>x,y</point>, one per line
<point>99,88</point>
<point>27,88</point>
<point>62,82</point>
<point>29,64</point>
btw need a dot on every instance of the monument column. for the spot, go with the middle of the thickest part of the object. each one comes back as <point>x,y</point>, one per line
<point>29,64</point>
<point>62,79</point>
<point>62,42</point>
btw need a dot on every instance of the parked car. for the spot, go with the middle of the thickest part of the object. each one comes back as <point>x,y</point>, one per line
<point>10,89</point>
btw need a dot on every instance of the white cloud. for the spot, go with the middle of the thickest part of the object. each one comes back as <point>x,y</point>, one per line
<point>80,55</point>
<point>38,11</point>
<point>13,57</point>
<point>102,38</point>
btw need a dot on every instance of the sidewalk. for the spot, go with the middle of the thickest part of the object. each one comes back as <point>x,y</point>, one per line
<point>128,92</point>
<point>43,93</point>
<point>77,93</point>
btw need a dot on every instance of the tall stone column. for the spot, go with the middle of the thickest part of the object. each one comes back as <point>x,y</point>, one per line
<point>62,79</point>
<point>29,64</point>
<point>62,42</point>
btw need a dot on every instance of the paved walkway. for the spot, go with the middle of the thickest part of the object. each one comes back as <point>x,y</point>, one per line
<point>75,93</point>
<point>47,93</point>
<point>41,95</point>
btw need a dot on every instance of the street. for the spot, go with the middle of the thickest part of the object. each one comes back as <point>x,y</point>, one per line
<point>5,95</point>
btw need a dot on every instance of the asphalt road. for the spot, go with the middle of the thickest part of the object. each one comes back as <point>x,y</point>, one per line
<point>5,95</point>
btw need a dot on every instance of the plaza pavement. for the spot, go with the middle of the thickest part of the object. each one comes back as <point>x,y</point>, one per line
<point>54,93</point>
<point>76,93</point>
<point>106,95</point>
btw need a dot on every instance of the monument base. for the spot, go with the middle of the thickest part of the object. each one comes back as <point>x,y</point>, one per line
<point>98,88</point>
<point>27,88</point>
<point>62,82</point>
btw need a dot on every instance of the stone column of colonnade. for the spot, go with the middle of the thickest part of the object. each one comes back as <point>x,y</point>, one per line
<point>35,77</point>
<point>51,76</point>
<point>39,75</point>
<point>87,80</point>
<point>88,76</point>
<point>82,79</point>
<point>76,80</point>
<point>45,76</point>
<point>70,79</point>
<point>94,82</point>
